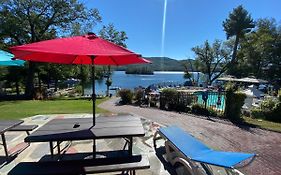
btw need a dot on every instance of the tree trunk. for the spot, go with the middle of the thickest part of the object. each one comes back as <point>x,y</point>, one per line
<point>29,87</point>
<point>82,78</point>
<point>233,61</point>
<point>209,79</point>
<point>49,81</point>
<point>39,81</point>
<point>107,80</point>
<point>107,87</point>
<point>234,53</point>
<point>17,87</point>
<point>56,85</point>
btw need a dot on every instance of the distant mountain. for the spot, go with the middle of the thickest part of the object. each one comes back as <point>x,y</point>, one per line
<point>159,64</point>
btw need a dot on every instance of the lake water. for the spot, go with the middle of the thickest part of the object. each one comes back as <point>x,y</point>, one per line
<point>130,81</point>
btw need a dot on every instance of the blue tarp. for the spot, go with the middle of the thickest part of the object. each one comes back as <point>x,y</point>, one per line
<point>6,59</point>
<point>199,152</point>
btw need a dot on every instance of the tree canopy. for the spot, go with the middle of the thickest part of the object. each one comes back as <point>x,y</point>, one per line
<point>25,21</point>
<point>111,34</point>
<point>260,53</point>
<point>212,59</point>
<point>238,23</point>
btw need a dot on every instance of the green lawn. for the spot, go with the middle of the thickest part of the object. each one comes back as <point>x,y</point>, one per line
<point>28,108</point>
<point>264,124</point>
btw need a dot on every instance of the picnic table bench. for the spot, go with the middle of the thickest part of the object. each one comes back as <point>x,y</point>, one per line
<point>128,164</point>
<point>13,125</point>
<point>6,125</point>
<point>183,149</point>
<point>26,128</point>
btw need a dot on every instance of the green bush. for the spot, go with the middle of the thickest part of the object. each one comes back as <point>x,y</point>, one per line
<point>199,109</point>
<point>214,113</point>
<point>168,99</point>
<point>126,96</point>
<point>257,113</point>
<point>78,89</point>
<point>275,114</point>
<point>267,105</point>
<point>138,95</point>
<point>269,110</point>
<point>233,104</point>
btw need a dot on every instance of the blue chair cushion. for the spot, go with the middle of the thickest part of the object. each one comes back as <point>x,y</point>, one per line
<point>199,152</point>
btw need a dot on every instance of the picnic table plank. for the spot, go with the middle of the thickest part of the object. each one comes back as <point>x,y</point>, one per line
<point>84,134</point>
<point>106,127</point>
<point>77,125</point>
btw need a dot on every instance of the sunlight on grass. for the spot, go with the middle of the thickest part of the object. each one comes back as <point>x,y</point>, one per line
<point>264,124</point>
<point>28,108</point>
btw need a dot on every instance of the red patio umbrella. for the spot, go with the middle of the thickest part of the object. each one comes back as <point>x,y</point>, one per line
<point>87,49</point>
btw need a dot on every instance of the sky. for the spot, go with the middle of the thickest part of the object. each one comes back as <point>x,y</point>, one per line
<point>188,22</point>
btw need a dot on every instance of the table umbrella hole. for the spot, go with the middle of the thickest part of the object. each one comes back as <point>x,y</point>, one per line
<point>76,125</point>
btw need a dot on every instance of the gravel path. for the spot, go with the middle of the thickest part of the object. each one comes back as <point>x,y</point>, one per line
<point>218,135</point>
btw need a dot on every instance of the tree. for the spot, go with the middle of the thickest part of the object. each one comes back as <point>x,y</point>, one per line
<point>187,74</point>
<point>25,21</point>
<point>15,76</point>
<point>212,60</point>
<point>238,23</point>
<point>109,33</point>
<point>108,81</point>
<point>260,51</point>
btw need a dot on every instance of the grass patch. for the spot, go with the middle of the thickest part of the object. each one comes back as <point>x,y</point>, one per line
<point>264,124</point>
<point>27,108</point>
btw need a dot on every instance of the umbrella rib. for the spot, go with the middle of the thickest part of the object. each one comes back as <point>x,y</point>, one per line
<point>74,59</point>
<point>114,61</point>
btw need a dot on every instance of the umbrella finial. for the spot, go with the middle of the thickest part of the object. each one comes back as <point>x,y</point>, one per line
<point>91,35</point>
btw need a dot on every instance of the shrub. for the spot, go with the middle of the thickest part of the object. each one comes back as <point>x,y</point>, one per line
<point>269,110</point>
<point>168,99</point>
<point>275,114</point>
<point>78,89</point>
<point>257,113</point>
<point>268,105</point>
<point>40,93</point>
<point>199,109</point>
<point>214,113</point>
<point>138,95</point>
<point>233,104</point>
<point>126,96</point>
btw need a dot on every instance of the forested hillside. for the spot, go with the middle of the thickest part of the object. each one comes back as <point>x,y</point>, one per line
<point>160,64</point>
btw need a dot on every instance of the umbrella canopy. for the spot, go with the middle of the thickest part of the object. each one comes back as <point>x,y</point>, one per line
<point>77,50</point>
<point>87,49</point>
<point>6,59</point>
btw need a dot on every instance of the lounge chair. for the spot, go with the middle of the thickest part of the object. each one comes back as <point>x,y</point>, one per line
<point>194,158</point>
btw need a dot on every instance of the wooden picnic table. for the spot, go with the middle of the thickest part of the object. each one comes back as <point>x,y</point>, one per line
<point>73,129</point>
<point>6,125</point>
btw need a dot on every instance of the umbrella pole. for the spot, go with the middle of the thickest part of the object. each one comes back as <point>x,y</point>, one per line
<point>93,89</point>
